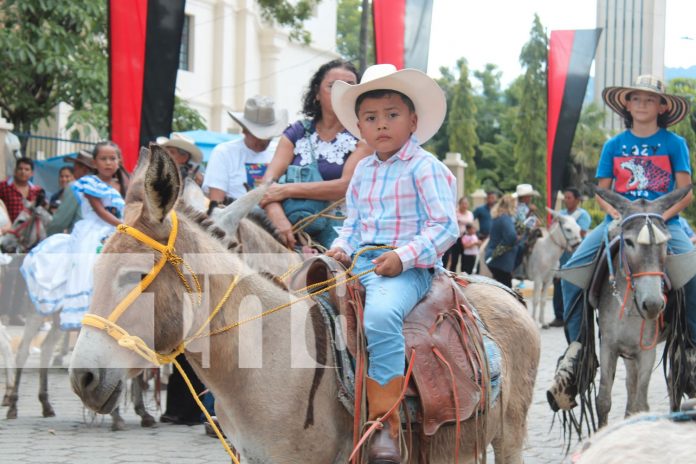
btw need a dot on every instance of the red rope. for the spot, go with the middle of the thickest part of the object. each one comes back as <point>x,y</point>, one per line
<point>659,322</point>
<point>456,401</point>
<point>378,424</point>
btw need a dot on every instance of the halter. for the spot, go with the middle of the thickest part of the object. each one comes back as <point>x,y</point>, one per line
<point>137,344</point>
<point>631,276</point>
<point>565,247</point>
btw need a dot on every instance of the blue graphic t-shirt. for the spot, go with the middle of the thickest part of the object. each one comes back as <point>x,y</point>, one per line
<point>644,167</point>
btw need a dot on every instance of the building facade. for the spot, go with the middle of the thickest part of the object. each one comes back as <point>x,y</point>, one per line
<point>632,43</point>
<point>229,54</point>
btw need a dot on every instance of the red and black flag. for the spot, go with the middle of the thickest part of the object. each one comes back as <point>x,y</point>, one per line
<point>402,32</point>
<point>570,57</point>
<point>144,43</point>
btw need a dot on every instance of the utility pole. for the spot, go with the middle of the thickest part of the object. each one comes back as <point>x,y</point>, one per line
<point>364,26</point>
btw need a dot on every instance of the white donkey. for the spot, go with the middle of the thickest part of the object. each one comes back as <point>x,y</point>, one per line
<point>5,345</point>
<point>564,234</point>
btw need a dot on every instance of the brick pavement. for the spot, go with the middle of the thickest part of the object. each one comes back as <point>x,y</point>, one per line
<point>74,437</point>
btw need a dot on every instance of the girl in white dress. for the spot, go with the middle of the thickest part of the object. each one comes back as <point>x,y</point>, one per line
<point>59,271</point>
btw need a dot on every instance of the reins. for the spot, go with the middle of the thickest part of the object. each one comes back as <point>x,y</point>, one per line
<point>169,255</point>
<point>631,276</point>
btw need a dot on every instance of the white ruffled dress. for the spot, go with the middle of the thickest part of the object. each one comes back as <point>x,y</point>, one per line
<point>59,271</point>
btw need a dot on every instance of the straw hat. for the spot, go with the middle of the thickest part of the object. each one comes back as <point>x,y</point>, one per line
<point>182,142</point>
<point>83,157</point>
<point>428,98</point>
<point>261,118</point>
<point>616,98</point>
<point>524,190</point>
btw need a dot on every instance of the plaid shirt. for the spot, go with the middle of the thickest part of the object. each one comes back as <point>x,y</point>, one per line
<point>13,198</point>
<point>407,201</point>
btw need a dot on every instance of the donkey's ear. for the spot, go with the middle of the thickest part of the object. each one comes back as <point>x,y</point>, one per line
<point>162,184</point>
<point>555,214</point>
<point>665,202</point>
<point>621,204</point>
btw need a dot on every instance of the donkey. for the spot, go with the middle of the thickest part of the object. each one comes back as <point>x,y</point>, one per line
<point>28,229</point>
<point>631,306</point>
<point>563,235</point>
<point>309,424</point>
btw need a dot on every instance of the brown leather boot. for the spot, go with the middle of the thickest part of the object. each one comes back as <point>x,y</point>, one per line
<point>384,446</point>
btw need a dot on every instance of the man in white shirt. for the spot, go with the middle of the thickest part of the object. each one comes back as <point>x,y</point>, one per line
<point>236,166</point>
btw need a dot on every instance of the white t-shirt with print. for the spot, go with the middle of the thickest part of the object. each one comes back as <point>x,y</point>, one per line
<point>229,165</point>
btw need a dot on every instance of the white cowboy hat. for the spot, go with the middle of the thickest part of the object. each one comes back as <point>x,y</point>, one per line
<point>261,118</point>
<point>182,142</point>
<point>616,98</point>
<point>428,98</point>
<point>524,190</point>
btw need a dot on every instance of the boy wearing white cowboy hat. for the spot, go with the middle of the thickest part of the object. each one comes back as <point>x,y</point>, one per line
<point>183,151</point>
<point>401,197</point>
<point>525,207</point>
<point>645,161</point>
<point>237,165</point>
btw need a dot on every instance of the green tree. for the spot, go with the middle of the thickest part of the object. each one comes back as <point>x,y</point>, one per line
<point>497,156</point>
<point>530,129</point>
<point>686,87</point>
<point>461,121</point>
<point>291,14</point>
<point>185,117</point>
<point>348,31</point>
<point>587,146</point>
<point>50,55</point>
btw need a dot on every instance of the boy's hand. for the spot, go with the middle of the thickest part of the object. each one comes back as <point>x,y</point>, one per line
<point>339,255</point>
<point>389,264</point>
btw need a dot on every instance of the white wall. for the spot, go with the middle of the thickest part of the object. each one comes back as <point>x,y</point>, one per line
<point>235,55</point>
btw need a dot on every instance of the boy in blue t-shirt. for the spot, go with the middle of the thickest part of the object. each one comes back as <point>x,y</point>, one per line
<point>645,161</point>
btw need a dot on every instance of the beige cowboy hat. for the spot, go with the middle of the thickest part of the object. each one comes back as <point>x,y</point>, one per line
<point>616,98</point>
<point>261,118</point>
<point>428,98</point>
<point>182,142</point>
<point>524,190</point>
<point>83,157</point>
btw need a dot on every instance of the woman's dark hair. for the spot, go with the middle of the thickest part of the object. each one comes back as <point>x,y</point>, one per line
<point>66,168</point>
<point>661,118</point>
<point>121,175</point>
<point>572,190</point>
<point>310,105</point>
<point>381,93</point>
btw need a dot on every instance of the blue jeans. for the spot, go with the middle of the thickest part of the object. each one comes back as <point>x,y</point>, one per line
<point>572,313</point>
<point>388,300</point>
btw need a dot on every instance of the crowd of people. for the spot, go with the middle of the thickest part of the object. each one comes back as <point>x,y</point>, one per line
<point>359,139</point>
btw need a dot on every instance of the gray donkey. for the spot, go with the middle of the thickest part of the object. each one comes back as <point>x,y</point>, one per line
<point>631,305</point>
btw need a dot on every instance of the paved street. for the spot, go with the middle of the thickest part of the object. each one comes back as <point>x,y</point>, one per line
<point>75,437</point>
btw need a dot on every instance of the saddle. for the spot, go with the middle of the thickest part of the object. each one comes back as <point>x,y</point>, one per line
<point>450,373</point>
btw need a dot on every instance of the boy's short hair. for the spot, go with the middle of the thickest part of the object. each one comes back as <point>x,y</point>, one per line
<point>381,93</point>
<point>24,160</point>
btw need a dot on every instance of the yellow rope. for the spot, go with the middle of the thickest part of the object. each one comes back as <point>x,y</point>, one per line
<point>138,346</point>
<point>305,222</point>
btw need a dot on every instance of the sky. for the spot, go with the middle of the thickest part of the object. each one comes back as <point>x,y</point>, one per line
<point>494,31</point>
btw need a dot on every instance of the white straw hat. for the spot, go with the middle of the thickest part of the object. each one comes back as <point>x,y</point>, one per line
<point>524,190</point>
<point>182,142</point>
<point>427,97</point>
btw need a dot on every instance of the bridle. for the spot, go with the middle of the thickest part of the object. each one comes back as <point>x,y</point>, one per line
<point>137,344</point>
<point>567,247</point>
<point>648,229</point>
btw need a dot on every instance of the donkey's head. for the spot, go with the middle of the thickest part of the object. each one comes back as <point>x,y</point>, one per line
<point>644,237</point>
<point>162,315</point>
<point>565,231</point>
